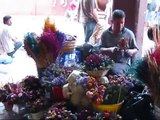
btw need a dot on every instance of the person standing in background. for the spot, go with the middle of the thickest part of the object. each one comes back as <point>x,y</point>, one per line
<point>8,42</point>
<point>103,21</point>
<point>87,15</point>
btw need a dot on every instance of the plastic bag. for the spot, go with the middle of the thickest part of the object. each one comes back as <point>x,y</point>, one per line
<point>137,106</point>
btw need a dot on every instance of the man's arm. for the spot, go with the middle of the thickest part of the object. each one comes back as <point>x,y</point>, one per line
<point>104,44</point>
<point>95,10</point>
<point>131,52</point>
<point>110,49</point>
<point>95,15</point>
<point>133,49</point>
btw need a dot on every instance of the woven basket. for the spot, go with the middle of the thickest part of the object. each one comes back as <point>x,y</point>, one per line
<point>97,74</point>
<point>37,116</point>
<point>68,46</point>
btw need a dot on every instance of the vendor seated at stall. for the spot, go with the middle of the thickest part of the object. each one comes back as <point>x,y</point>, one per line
<point>119,43</point>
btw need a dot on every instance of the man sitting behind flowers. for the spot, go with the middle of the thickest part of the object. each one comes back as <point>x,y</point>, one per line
<point>119,43</point>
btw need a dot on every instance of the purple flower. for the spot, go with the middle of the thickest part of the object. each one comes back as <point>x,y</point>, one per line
<point>54,75</point>
<point>97,62</point>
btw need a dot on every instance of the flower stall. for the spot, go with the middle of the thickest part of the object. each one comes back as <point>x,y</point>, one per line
<point>67,88</point>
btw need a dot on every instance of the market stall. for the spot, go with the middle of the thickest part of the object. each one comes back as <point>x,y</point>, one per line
<point>73,85</point>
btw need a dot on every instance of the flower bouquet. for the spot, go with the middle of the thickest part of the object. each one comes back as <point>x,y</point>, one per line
<point>32,86</point>
<point>45,48</point>
<point>36,108</point>
<point>59,111</point>
<point>97,65</point>
<point>54,77</point>
<point>35,91</point>
<point>117,88</point>
<point>108,97</point>
<point>11,94</point>
<point>94,91</point>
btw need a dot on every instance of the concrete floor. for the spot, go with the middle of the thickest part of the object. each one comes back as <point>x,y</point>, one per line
<point>21,66</point>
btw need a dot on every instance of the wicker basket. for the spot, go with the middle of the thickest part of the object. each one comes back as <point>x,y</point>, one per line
<point>37,116</point>
<point>69,46</point>
<point>97,74</point>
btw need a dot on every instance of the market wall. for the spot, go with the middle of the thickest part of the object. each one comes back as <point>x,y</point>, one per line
<point>32,7</point>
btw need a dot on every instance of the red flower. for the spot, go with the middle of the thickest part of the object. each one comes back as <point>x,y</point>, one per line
<point>156,56</point>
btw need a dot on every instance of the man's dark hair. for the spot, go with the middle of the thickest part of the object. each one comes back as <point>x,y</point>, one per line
<point>6,18</point>
<point>150,32</point>
<point>117,14</point>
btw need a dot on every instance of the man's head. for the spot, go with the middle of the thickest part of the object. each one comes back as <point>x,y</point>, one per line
<point>7,20</point>
<point>118,20</point>
<point>153,31</point>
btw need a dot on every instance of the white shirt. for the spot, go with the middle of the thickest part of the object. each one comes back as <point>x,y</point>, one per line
<point>6,41</point>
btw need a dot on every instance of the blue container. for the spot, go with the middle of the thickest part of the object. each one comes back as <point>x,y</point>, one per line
<point>70,59</point>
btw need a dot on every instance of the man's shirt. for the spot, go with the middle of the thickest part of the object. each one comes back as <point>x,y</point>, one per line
<point>6,42</point>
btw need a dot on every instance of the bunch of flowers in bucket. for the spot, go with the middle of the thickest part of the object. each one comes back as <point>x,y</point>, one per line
<point>53,75</point>
<point>94,91</point>
<point>106,94</point>
<point>45,48</point>
<point>97,64</point>
<point>117,89</point>
<point>97,61</point>
<point>33,88</point>
<point>12,93</point>
<point>53,78</point>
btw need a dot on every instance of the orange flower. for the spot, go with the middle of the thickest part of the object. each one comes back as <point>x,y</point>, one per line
<point>49,26</point>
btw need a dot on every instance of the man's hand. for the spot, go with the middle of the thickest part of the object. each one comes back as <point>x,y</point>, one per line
<point>131,52</point>
<point>114,49</point>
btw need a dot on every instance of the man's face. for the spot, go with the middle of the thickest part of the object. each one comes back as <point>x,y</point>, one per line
<point>117,25</point>
<point>9,22</point>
